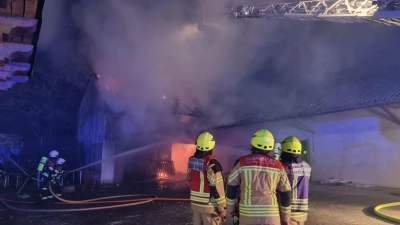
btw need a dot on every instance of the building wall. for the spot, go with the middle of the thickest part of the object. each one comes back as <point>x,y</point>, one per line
<point>361,145</point>
<point>107,166</point>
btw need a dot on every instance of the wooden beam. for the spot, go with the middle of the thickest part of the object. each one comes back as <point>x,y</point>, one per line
<point>17,9</point>
<point>30,8</point>
<point>6,10</point>
<point>30,12</point>
<point>391,114</point>
<point>9,70</point>
<point>11,26</point>
<point>5,85</point>
<point>396,106</point>
<point>15,26</point>
<point>306,128</point>
<point>12,50</point>
<point>16,21</point>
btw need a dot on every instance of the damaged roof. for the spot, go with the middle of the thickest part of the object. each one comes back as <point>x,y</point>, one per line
<point>18,26</point>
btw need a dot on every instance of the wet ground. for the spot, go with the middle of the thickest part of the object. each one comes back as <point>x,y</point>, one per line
<point>328,205</point>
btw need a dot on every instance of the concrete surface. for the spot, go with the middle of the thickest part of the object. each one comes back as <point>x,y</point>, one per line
<point>349,205</point>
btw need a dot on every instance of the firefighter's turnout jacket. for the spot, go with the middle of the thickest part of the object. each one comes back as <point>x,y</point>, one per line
<point>58,172</point>
<point>48,170</point>
<point>299,176</point>
<point>46,176</point>
<point>259,177</point>
<point>206,185</point>
<point>56,179</point>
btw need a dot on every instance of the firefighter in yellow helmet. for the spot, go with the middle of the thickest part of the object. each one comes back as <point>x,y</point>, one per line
<point>299,173</point>
<point>207,194</point>
<point>259,176</point>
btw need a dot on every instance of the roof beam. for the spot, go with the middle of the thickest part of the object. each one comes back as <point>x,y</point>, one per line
<point>397,106</point>
<point>305,127</point>
<point>12,26</point>
<point>341,11</point>
<point>395,118</point>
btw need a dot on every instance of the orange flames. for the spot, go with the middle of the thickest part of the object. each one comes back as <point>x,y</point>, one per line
<point>162,175</point>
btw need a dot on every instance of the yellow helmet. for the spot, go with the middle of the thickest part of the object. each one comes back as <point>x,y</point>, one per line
<point>263,140</point>
<point>291,145</point>
<point>205,142</point>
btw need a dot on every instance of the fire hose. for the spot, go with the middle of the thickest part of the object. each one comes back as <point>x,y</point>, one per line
<point>385,216</point>
<point>92,201</point>
<point>131,202</point>
<point>115,156</point>
<point>141,201</point>
<point>29,176</point>
<point>85,201</point>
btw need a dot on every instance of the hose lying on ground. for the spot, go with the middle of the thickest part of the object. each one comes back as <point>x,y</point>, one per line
<point>85,201</point>
<point>131,202</point>
<point>382,215</point>
<point>110,197</point>
<point>73,210</point>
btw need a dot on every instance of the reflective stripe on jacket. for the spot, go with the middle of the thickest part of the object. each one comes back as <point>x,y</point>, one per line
<point>48,169</point>
<point>206,183</point>
<point>259,177</point>
<point>299,176</point>
<point>58,172</point>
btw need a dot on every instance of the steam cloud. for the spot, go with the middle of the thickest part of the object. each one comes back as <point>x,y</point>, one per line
<point>144,50</point>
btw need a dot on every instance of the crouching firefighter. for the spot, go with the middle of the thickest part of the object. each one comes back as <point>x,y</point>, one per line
<point>45,173</point>
<point>56,181</point>
<point>299,173</point>
<point>207,194</point>
<point>258,176</point>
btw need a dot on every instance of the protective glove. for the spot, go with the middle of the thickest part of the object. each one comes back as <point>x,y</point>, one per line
<point>235,217</point>
<point>223,215</point>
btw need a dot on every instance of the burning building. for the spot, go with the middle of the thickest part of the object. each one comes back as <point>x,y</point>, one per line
<point>100,137</point>
<point>345,113</point>
<point>349,131</point>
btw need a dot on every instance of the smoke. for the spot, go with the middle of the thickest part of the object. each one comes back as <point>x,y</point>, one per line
<point>150,53</point>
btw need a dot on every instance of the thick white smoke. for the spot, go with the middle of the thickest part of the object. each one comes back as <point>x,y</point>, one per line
<point>149,53</point>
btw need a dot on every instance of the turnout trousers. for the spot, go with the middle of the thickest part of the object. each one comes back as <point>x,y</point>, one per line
<point>206,216</point>
<point>45,195</point>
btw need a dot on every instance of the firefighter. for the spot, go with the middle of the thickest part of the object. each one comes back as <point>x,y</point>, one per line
<point>56,181</point>
<point>207,194</point>
<point>277,150</point>
<point>46,171</point>
<point>258,176</point>
<point>299,173</point>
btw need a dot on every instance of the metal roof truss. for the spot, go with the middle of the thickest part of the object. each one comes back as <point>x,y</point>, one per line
<point>342,11</point>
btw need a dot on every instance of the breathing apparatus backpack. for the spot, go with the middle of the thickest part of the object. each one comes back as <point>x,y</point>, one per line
<point>42,163</point>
